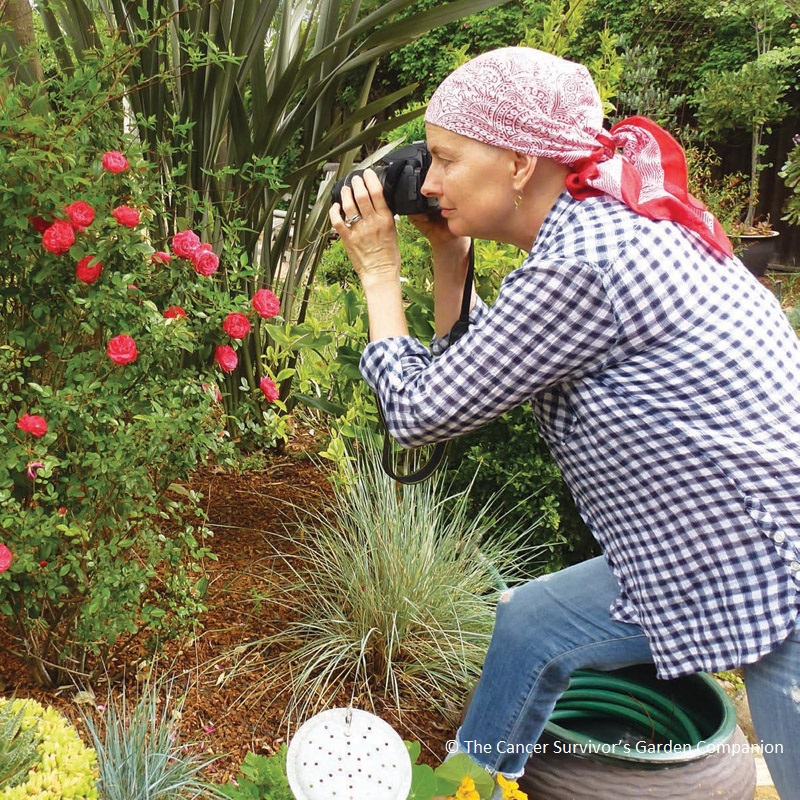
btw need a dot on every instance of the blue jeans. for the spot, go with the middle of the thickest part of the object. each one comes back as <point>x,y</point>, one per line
<point>548,628</point>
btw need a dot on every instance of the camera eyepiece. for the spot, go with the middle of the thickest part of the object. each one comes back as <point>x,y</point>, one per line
<point>402,173</point>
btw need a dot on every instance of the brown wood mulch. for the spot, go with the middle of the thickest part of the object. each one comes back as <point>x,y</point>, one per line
<point>250,514</point>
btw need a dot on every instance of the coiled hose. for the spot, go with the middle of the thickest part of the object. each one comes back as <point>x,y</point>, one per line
<point>594,694</point>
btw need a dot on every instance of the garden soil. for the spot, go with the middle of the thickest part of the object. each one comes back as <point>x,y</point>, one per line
<point>250,514</point>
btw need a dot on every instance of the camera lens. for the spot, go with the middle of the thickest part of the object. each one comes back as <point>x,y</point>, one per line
<point>336,191</point>
<point>401,173</point>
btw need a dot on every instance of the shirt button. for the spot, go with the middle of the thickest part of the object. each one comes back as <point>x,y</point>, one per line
<point>780,537</point>
<point>795,566</point>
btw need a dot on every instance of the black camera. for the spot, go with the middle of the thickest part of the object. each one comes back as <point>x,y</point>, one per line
<point>402,173</point>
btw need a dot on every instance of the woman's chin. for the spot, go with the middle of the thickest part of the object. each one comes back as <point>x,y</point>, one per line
<point>455,226</point>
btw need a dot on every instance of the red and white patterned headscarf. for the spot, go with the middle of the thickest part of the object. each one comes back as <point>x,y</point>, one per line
<point>532,102</point>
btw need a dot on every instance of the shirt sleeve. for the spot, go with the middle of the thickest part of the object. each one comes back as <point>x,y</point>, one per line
<point>477,312</point>
<point>551,323</point>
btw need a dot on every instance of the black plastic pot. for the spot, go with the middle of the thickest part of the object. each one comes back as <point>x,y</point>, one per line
<point>600,756</point>
<point>758,250</point>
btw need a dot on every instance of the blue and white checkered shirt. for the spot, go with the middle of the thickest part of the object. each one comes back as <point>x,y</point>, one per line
<point>666,381</point>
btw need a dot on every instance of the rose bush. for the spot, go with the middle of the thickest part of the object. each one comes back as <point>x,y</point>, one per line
<point>108,390</point>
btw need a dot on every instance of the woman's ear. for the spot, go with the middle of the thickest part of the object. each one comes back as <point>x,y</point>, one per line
<point>524,166</point>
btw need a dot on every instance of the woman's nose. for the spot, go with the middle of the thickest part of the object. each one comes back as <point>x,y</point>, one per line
<point>429,185</point>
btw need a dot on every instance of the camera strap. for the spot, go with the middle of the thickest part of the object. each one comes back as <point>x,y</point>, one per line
<point>440,448</point>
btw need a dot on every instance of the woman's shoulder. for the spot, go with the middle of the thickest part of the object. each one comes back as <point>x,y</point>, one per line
<point>604,232</point>
<point>594,230</point>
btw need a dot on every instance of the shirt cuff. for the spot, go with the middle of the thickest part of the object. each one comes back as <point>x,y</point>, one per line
<point>385,362</point>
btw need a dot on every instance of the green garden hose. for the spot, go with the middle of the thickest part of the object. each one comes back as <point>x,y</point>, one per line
<point>594,695</point>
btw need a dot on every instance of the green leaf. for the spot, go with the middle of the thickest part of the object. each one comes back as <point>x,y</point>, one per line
<point>334,409</point>
<point>414,749</point>
<point>460,766</point>
<point>424,783</point>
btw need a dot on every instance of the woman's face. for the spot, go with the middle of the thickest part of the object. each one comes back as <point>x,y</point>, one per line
<point>472,182</point>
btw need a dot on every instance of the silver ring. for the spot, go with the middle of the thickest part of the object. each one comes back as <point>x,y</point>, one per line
<point>350,221</point>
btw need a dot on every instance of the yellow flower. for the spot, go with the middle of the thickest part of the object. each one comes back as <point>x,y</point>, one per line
<point>466,791</point>
<point>511,790</point>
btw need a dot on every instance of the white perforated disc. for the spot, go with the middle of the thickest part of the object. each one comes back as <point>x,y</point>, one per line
<point>348,754</point>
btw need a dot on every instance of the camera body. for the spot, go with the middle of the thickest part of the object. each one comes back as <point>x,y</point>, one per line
<point>402,173</point>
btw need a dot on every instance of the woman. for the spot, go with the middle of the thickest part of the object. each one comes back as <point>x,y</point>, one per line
<point>664,377</point>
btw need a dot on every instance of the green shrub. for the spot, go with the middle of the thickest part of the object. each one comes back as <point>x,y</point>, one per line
<point>790,172</point>
<point>508,461</point>
<point>260,778</point>
<point>395,593</point>
<point>67,769</point>
<point>335,267</point>
<point>794,317</point>
<point>724,195</point>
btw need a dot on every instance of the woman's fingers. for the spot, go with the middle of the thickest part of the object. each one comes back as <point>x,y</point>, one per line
<point>362,201</point>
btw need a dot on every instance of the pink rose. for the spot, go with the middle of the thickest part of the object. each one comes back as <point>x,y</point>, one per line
<point>185,243</point>
<point>127,216</point>
<point>87,271</point>
<point>173,312</point>
<point>266,303</point>
<point>6,557</point>
<point>59,237</point>
<point>236,325</point>
<point>33,468</point>
<point>114,161</point>
<point>80,214</point>
<point>122,349</point>
<point>205,262</point>
<point>33,424</point>
<point>269,388</point>
<point>226,357</point>
<point>161,257</point>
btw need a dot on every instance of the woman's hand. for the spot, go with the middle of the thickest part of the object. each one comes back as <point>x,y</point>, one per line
<point>449,251</point>
<point>367,229</point>
<point>450,262</point>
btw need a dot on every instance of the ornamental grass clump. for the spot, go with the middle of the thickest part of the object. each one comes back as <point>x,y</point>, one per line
<point>64,768</point>
<point>393,592</point>
<point>139,751</point>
